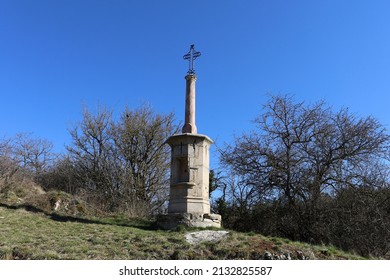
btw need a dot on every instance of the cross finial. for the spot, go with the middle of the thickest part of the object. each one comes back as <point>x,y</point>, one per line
<point>191,56</point>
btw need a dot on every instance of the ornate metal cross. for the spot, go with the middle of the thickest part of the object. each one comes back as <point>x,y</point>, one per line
<point>191,56</point>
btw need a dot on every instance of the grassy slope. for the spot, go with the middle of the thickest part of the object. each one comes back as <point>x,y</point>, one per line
<point>27,233</point>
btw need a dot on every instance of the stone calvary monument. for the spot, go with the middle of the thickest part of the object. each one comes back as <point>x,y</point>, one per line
<point>189,202</point>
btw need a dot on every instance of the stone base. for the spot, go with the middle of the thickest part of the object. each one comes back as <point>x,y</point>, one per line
<point>172,220</point>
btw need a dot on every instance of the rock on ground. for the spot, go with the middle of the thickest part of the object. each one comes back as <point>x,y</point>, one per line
<point>205,236</point>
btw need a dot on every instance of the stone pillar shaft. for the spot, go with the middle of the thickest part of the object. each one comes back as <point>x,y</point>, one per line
<point>189,118</point>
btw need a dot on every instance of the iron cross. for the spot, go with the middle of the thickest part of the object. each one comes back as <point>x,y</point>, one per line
<point>191,56</point>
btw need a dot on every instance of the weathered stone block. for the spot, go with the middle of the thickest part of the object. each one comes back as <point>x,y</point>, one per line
<point>189,191</point>
<point>172,220</point>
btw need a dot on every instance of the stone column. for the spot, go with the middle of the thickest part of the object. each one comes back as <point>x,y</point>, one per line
<point>189,119</point>
<point>189,202</point>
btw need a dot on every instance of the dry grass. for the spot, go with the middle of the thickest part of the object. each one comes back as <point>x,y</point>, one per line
<point>28,233</point>
<point>34,225</point>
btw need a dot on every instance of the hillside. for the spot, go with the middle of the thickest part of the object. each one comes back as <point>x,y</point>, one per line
<point>26,232</point>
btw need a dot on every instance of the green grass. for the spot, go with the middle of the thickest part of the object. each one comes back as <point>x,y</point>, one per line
<point>28,233</point>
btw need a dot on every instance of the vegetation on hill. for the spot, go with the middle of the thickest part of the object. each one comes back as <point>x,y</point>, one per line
<point>304,173</point>
<point>40,225</point>
<point>310,173</point>
<point>29,233</point>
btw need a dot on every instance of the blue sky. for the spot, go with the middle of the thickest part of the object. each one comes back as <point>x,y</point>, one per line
<point>58,56</point>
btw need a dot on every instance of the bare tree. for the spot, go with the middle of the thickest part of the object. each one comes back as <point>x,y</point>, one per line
<point>124,162</point>
<point>301,156</point>
<point>23,160</point>
<point>24,156</point>
<point>139,138</point>
<point>32,154</point>
<point>91,155</point>
<point>300,152</point>
<point>8,167</point>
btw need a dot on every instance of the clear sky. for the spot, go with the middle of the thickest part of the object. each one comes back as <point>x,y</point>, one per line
<point>58,56</point>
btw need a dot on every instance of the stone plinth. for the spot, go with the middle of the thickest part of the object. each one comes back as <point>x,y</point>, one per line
<point>172,220</point>
<point>189,202</point>
<point>189,191</point>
